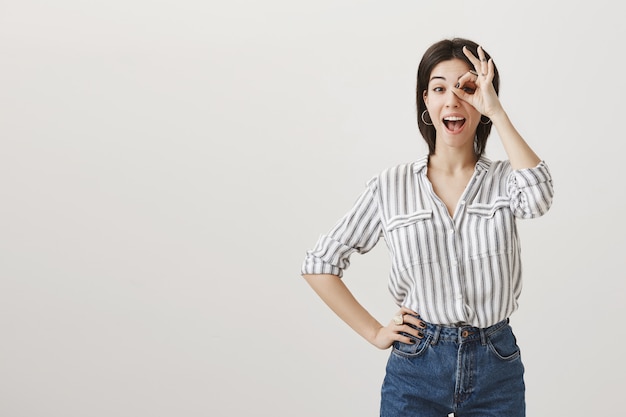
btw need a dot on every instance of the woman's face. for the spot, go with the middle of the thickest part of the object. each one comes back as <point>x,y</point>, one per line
<point>454,119</point>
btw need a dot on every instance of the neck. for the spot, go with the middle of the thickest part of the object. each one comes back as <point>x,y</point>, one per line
<point>452,161</point>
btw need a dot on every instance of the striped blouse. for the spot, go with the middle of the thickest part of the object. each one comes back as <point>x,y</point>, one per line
<point>456,270</point>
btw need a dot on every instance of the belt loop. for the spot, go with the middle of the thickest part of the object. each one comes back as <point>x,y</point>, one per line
<point>483,337</point>
<point>436,332</point>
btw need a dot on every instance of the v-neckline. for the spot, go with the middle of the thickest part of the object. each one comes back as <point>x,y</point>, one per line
<point>461,196</point>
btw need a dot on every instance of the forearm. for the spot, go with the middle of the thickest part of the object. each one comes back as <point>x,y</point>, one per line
<point>338,297</point>
<point>519,152</point>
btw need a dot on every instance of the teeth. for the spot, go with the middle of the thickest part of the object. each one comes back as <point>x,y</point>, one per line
<point>453,118</point>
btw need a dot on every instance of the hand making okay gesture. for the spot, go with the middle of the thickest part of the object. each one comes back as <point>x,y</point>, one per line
<point>476,87</point>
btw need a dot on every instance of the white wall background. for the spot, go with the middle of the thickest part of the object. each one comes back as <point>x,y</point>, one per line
<point>164,166</point>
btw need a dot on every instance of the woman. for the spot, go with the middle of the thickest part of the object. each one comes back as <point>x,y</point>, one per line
<point>449,222</point>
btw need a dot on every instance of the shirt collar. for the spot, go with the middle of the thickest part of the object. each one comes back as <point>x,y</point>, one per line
<point>420,164</point>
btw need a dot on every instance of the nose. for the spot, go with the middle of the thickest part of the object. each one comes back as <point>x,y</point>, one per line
<point>451,99</point>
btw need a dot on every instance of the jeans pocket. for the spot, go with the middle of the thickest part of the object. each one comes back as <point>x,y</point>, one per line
<point>504,345</point>
<point>411,350</point>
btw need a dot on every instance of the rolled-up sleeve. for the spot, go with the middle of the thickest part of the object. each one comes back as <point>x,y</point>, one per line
<point>531,191</point>
<point>357,231</point>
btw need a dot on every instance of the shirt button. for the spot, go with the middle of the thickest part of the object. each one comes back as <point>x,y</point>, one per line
<point>462,202</point>
<point>451,231</point>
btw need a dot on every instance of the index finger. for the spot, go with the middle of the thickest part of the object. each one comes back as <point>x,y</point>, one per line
<point>406,310</point>
<point>411,317</point>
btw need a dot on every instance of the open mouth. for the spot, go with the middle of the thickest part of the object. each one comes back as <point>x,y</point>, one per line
<point>454,123</point>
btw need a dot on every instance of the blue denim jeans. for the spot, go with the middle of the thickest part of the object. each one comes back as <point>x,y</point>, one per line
<point>467,371</point>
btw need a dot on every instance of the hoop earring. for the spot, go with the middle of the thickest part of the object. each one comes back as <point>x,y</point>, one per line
<point>425,122</point>
<point>484,123</point>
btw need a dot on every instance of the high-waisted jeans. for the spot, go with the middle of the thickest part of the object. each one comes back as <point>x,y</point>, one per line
<point>468,371</point>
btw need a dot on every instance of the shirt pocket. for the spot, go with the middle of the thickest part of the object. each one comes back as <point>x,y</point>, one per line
<point>491,228</point>
<point>412,238</point>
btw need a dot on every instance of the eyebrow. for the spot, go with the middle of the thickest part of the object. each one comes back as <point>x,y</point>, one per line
<point>440,77</point>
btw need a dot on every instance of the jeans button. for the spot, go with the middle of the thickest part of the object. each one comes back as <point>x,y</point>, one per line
<point>465,333</point>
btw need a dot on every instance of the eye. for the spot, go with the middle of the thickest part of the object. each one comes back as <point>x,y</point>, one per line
<point>469,87</point>
<point>438,89</point>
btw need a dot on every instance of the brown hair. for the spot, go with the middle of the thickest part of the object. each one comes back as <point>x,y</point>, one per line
<point>446,50</point>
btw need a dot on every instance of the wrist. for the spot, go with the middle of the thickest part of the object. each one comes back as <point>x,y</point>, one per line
<point>372,337</point>
<point>498,116</point>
